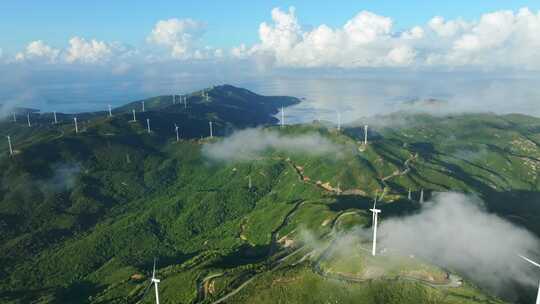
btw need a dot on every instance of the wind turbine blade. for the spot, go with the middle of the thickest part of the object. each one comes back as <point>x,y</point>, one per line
<point>530,261</point>
<point>154,270</point>
<point>146,290</point>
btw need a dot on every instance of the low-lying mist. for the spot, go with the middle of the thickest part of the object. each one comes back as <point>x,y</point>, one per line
<point>456,232</point>
<point>355,93</point>
<point>250,144</point>
<point>64,176</point>
<point>372,94</point>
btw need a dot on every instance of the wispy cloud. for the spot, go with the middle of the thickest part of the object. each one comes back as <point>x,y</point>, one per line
<point>64,176</point>
<point>250,144</point>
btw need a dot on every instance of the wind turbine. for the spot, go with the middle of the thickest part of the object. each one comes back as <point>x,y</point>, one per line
<point>143,106</point>
<point>537,265</point>
<point>374,220</point>
<point>282,117</point>
<point>155,282</point>
<point>28,119</point>
<point>211,130</point>
<point>148,125</point>
<point>421,196</point>
<point>134,118</point>
<point>9,144</point>
<point>55,118</point>
<point>365,134</point>
<point>176,129</point>
<point>409,196</point>
<point>76,126</point>
<point>110,111</point>
<point>185,102</point>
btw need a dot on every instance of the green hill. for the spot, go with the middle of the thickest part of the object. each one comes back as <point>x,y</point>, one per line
<point>82,216</point>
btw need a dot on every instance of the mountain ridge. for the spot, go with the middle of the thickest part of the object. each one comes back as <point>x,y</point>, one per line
<point>84,214</point>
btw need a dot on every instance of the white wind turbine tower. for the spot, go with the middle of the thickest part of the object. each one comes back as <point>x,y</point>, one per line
<point>9,144</point>
<point>176,129</point>
<point>282,117</point>
<point>421,196</point>
<point>134,118</point>
<point>537,265</point>
<point>55,118</point>
<point>409,196</point>
<point>185,102</point>
<point>28,119</point>
<point>110,111</point>
<point>211,130</point>
<point>76,125</point>
<point>14,117</point>
<point>374,220</point>
<point>365,134</point>
<point>143,106</point>
<point>148,125</point>
<point>155,282</point>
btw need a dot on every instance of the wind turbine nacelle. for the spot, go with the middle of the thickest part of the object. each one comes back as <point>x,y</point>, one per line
<point>375,210</point>
<point>156,280</point>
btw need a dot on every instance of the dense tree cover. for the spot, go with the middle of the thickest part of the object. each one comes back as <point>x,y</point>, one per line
<point>80,214</point>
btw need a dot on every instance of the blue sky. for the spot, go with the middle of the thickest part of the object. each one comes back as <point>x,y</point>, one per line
<point>229,23</point>
<point>80,55</point>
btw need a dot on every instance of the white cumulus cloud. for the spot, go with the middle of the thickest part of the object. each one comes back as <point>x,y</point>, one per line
<point>414,33</point>
<point>365,40</point>
<point>79,50</point>
<point>180,36</point>
<point>445,28</point>
<point>505,39</point>
<point>39,50</point>
<point>84,51</point>
<point>500,39</point>
<point>402,55</point>
<point>284,34</point>
<point>367,27</point>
